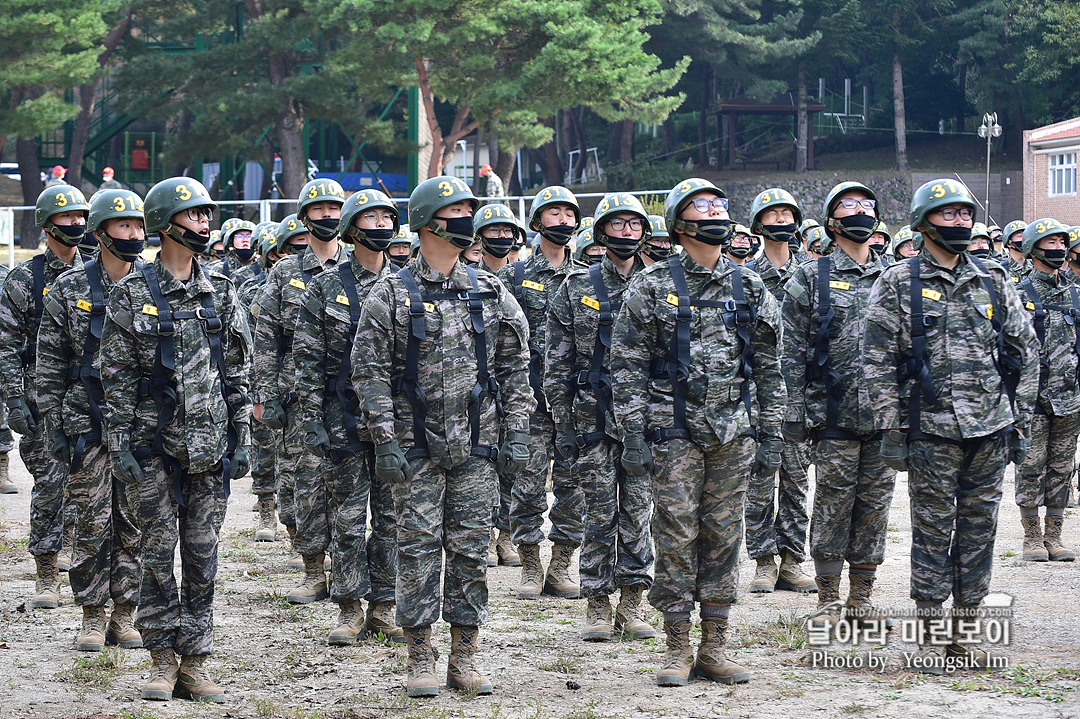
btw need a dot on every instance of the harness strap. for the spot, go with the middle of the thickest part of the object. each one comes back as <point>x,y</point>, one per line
<point>84,372</point>
<point>536,380</point>
<point>341,386</point>
<point>819,369</point>
<point>918,367</point>
<point>596,378</point>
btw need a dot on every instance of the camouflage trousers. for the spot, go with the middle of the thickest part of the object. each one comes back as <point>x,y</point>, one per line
<point>853,491</point>
<point>778,521</point>
<point>1043,479</point>
<point>7,440</point>
<point>697,526</point>
<point>171,617</point>
<point>365,566</point>
<point>500,514</point>
<point>617,550</point>
<point>528,500</point>
<point>50,511</point>
<point>955,491</point>
<point>318,493</point>
<point>444,511</point>
<point>290,448</point>
<point>263,450</point>
<point>105,556</point>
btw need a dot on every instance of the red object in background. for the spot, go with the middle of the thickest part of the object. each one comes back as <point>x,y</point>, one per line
<point>140,159</point>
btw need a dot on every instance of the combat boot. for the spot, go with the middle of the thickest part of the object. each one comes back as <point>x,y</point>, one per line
<point>532,572</point>
<point>92,636</point>
<point>1034,549</point>
<point>598,620</point>
<point>461,671</point>
<point>47,586</point>
<point>420,666</point>
<point>965,640</point>
<point>1057,551</point>
<point>679,659</point>
<point>350,623</point>
<point>121,630</point>
<point>931,657</point>
<point>765,575</point>
<point>163,674</point>
<point>505,548</point>
<point>267,531</point>
<point>493,552</point>
<point>628,614</point>
<point>827,614</point>
<point>557,581</point>
<point>6,485</point>
<point>711,662</point>
<point>194,681</point>
<point>380,620</point>
<point>313,586</point>
<point>295,561</point>
<point>791,577</point>
<point>858,607</point>
<point>63,559</point>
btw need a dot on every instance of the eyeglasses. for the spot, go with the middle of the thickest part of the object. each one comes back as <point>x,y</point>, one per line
<point>197,213</point>
<point>951,213</point>
<point>618,224</point>
<point>378,217</point>
<point>850,203</point>
<point>495,232</point>
<point>702,204</point>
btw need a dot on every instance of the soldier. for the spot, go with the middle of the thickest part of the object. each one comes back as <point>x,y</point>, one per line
<point>494,182</point>
<point>904,244</point>
<point>658,245</point>
<point>947,413</point>
<point>7,440</point>
<point>695,370</point>
<point>441,352</point>
<point>776,512</point>
<point>400,251</point>
<point>997,237</point>
<point>980,242</point>
<point>818,244</point>
<point>880,239</point>
<point>258,266</point>
<point>1014,261</point>
<point>1072,264</point>
<point>216,250</point>
<point>1043,479</point>
<point>823,312</point>
<point>617,548</point>
<point>515,254</point>
<point>61,213</point>
<point>555,215</point>
<point>588,252</point>
<point>236,237</point>
<point>105,560</point>
<point>738,246</point>
<point>175,359</point>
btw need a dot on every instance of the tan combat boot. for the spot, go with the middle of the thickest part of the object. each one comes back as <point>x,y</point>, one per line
<point>313,586</point>
<point>121,630</point>
<point>194,681</point>
<point>6,485</point>
<point>828,612</point>
<point>420,667</point>
<point>628,614</point>
<point>63,559</point>
<point>380,620</point>
<point>295,561</point>
<point>163,673</point>
<point>598,620</point>
<point>532,572</point>
<point>47,586</point>
<point>791,577</point>
<point>931,657</point>
<point>557,581</point>
<point>765,575</point>
<point>1034,549</point>
<point>858,607</point>
<point>505,548</point>
<point>711,662</point>
<point>350,623</point>
<point>679,659</point>
<point>493,552</point>
<point>461,671</point>
<point>965,640</point>
<point>267,531</point>
<point>1057,551</point>
<point>91,637</point>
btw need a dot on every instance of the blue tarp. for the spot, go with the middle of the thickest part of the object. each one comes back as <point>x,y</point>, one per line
<point>355,181</point>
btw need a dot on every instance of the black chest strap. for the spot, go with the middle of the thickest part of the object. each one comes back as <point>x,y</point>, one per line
<point>341,386</point>
<point>285,340</point>
<point>1071,315</point>
<point>819,369</point>
<point>84,372</point>
<point>917,366</point>
<point>536,379</point>
<point>596,378</point>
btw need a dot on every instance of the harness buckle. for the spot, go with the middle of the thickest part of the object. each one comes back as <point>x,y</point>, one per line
<point>166,328</point>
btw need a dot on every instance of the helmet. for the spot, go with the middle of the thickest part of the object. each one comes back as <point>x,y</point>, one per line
<point>233,225</point>
<point>171,196</point>
<point>613,204</point>
<point>936,194</point>
<point>54,200</point>
<point>111,205</point>
<point>267,240</point>
<point>773,197</point>
<point>403,236</point>
<point>659,227</point>
<point>991,229</point>
<point>979,229</point>
<point>585,240</point>
<point>1074,237</point>
<point>1012,228</point>
<point>677,198</point>
<point>363,201</point>
<point>432,195</point>
<point>883,229</point>
<point>497,215</point>
<point>290,227</point>
<point>319,190</point>
<point>807,224</point>
<point>904,234</point>
<point>832,199</point>
<point>554,195</point>
<point>816,234</point>
<point>586,221</point>
<point>1040,229</point>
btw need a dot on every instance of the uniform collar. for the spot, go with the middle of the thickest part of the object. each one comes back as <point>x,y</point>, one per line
<point>199,283</point>
<point>458,279</point>
<point>310,261</point>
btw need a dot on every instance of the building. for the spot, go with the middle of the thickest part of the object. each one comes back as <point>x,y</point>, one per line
<point>1050,172</point>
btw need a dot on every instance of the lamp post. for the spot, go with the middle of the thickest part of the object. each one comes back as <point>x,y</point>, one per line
<point>989,129</point>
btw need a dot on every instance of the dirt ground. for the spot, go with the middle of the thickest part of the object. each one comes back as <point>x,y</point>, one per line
<point>272,659</point>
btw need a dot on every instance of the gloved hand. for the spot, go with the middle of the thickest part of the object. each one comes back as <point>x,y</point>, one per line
<point>514,453</point>
<point>767,457</point>
<point>1018,447</point>
<point>894,450</point>
<point>636,457</point>
<point>390,463</point>
<point>126,468</point>
<point>59,447</point>
<point>566,440</point>
<point>273,415</point>
<point>793,431</point>
<point>241,461</point>
<point>20,418</point>
<point>316,438</point>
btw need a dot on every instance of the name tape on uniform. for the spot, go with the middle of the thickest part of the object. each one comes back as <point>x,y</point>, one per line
<point>83,305</point>
<point>590,302</point>
<point>298,284</point>
<point>429,306</point>
<point>529,284</point>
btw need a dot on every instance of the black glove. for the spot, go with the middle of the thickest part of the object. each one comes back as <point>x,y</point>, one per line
<point>59,447</point>
<point>241,462</point>
<point>894,450</point>
<point>273,415</point>
<point>390,463</point>
<point>767,457</point>
<point>1018,447</point>
<point>20,418</point>
<point>126,468</point>
<point>566,440</point>
<point>793,431</point>
<point>636,457</point>
<point>316,438</point>
<point>514,453</point>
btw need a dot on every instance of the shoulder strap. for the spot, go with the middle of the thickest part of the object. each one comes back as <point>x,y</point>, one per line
<point>84,372</point>
<point>37,268</point>
<point>918,367</point>
<point>341,386</point>
<point>595,378</point>
<point>744,320</point>
<point>409,382</point>
<point>1007,365</point>
<point>819,369</point>
<point>1039,318</point>
<point>519,286</point>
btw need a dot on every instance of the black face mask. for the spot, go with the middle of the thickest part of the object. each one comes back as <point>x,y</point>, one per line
<point>559,234</point>
<point>219,254</point>
<point>781,233</point>
<point>399,260</point>
<point>982,252</point>
<point>377,239</point>
<point>740,252</point>
<point>711,232</point>
<point>459,231</point>
<point>953,240</point>
<point>497,246</point>
<point>856,228</point>
<point>188,238</point>
<point>69,235</point>
<point>655,253</point>
<point>1052,258</point>
<point>878,247</point>
<point>323,230</point>
<point>126,250</point>
<point>244,255</point>
<point>591,259</point>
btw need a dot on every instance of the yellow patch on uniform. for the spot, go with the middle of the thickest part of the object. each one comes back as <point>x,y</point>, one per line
<point>1030,306</point>
<point>430,307</point>
<point>673,300</point>
<point>1015,279</point>
<point>590,302</point>
<point>83,305</point>
<point>988,310</point>
<point>838,285</point>
<point>45,291</point>
<point>149,310</point>
<point>931,295</point>
<point>529,284</point>
<point>342,299</point>
<point>298,284</point>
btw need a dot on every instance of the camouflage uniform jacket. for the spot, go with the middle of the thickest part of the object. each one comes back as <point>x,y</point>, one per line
<point>321,342</point>
<point>970,399</point>
<point>849,296</point>
<point>230,266</point>
<point>196,435</point>
<point>715,412</point>
<point>1015,269</point>
<point>572,326</point>
<point>275,310</point>
<point>250,271</point>
<point>447,366</point>
<point>1059,393</point>
<point>18,319</point>
<point>773,277</point>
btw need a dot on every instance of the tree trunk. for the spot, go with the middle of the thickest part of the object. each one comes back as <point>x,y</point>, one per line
<point>802,139</point>
<point>667,131</point>
<point>614,138</point>
<point>577,121</point>
<point>504,168</point>
<point>290,132</point>
<point>476,160</point>
<point>703,115</point>
<point>963,93</point>
<point>626,142</point>
<point>553,170</point>
<point>899,121</point>
<point>26,155</point>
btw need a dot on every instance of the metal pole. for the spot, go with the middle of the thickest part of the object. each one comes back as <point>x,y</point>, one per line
<point>989,137</point>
